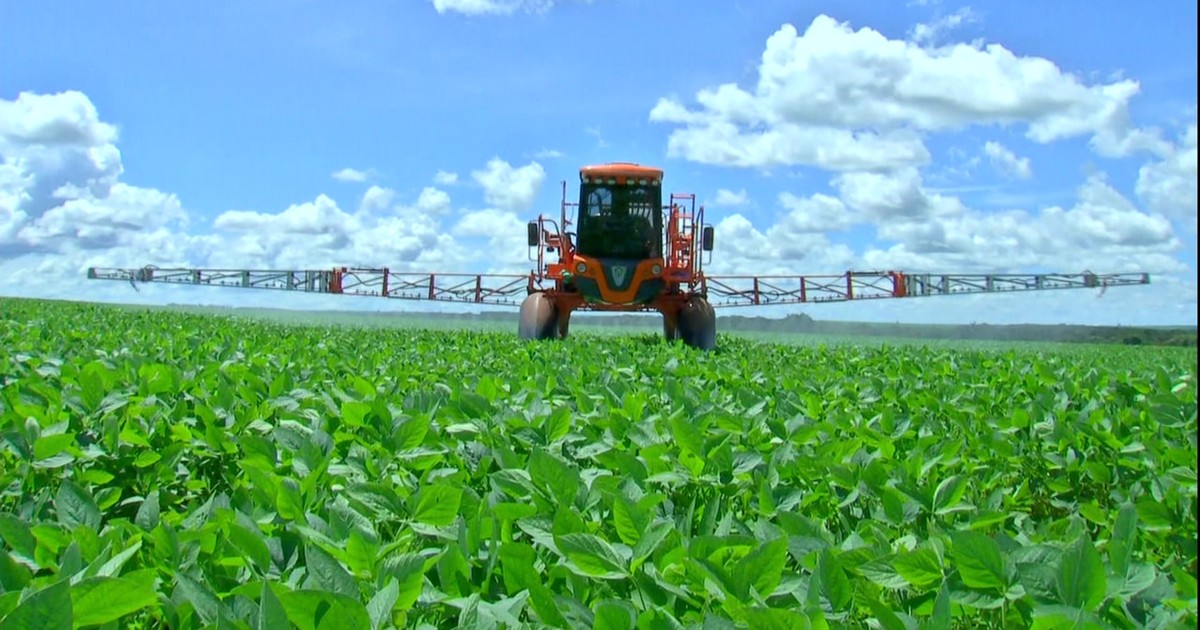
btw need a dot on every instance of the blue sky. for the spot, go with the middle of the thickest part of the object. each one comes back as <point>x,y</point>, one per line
<point>932,135</point>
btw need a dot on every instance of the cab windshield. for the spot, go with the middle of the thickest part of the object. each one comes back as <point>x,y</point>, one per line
<point>620,221</point>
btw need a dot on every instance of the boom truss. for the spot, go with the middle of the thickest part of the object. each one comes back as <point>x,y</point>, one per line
<point>722,291</point>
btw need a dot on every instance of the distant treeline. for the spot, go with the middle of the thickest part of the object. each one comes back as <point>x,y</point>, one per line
<point>792,324</point>
<point>799,323</point>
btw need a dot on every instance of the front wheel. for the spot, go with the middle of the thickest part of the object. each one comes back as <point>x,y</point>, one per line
<point>538,318</point>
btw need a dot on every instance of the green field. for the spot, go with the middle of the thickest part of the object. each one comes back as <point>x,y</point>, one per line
<point>188,470</point>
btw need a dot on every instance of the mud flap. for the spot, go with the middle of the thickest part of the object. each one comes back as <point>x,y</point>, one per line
<point>538,319</point>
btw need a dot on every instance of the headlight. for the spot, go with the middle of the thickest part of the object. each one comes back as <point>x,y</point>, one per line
<point>581,268</point>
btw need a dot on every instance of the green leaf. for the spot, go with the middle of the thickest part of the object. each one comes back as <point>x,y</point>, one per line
<point>328,573</point>
<point>322,610</point>
<point>148,511</point>
<point>554,476</point>
<point>650,541</point>
<point>202,599</point>
<point>686,435</point>
<point>979,560</point>
<point>271,614</point>
<point>629,519</point>
<point>408,569</point>
<point>438,505</point>
<point>611,614</point>
<point>1081,580</point>
<point>835,585</point>
<point>1120,550</point>
<point>921,567</point>
<point>941,618</point>
<point>100,600</point>
<point>289,501</point>
<point>379,609</point>
<point>762,568</point>
<point>773,619</point>
<point>517,565</point>
<point>885,616</point>
<point>48,609</point>
<point>76,507</point>
<point>114,564</point>
<point>557,424</point>
<point>14,576</point>
<point>949,493</point>
<point>251,544</point>
<point>593,556</point>
<point>882,571</point>
<point>16,533</point>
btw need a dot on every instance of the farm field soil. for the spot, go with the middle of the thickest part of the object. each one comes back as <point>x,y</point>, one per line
<point>182,470</point>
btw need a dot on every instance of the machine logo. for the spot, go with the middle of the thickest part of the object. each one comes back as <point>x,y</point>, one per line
<point>618,274</point>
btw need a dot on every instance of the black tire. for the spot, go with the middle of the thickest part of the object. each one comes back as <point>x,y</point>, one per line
<point>698,324</point>
<point>538,318</point>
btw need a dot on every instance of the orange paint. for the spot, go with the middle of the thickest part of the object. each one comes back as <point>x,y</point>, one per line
<point>641,273</point>
<point>622,171</point>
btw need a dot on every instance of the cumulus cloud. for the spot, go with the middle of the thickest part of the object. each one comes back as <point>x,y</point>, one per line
<point>65,119</point>
<point>1169,185</point>
<point>59,181</point>
<point>1006,162</point>
<point>510,188</point>
<point>815,214</point>
<point>491,7</point>
<point>843,99</point>
<point>376,199</point>
<point>445,178</point>
<point>350,175</point>
<point>63,208</point>
<point>1103,231</point>
<point>729,198</point>
<point>930,32</point>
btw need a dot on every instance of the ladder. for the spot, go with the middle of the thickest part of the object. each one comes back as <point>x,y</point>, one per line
<point>681,238</point>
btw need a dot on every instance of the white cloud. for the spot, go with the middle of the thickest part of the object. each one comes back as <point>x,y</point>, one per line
<point>1169,185</point>
<point>507,250</point>
<point>445,178</point>
<point>1103,231</point>
<point>433,201</point>
<point>321,216</point>
<point>350,175</point>
<point>815,214</point>
<point>491,7</point>
<point>510,188</point>
<point>376,199</point>
<point>728,198</point>
<point>1006,162</point>
<point>741,248</point>
<point>843,99</point>
<point>886,197</point>
<point>63,208</point>
<point>927,33</point>
<point>64,119</point>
